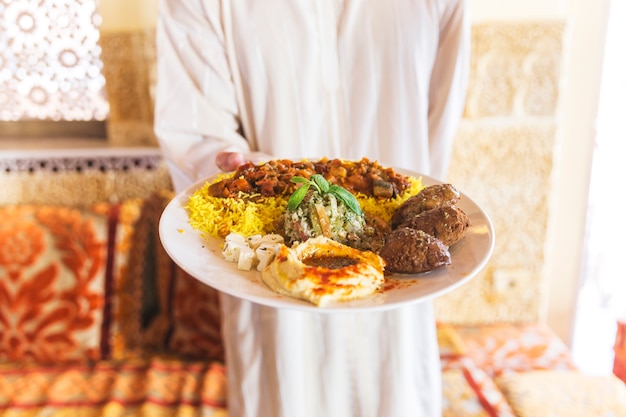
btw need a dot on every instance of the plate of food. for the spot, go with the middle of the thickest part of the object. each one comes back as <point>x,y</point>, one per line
<point>327,235</point>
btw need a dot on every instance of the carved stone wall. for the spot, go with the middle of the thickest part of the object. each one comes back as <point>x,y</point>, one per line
<point>503,158</point>
<point>129,69</point>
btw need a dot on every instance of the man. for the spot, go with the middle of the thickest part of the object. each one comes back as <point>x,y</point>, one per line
<point>254,79</point>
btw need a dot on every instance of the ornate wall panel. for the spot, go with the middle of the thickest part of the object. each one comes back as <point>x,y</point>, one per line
<point>50,67</point>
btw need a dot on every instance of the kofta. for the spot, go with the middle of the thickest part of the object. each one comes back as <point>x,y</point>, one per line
<point>430,197</point>
<point>412,251</point>
<point>446,223</point>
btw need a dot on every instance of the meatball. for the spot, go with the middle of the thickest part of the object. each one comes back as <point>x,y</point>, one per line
<point>428,198</point>
<point>447,223</point>
<point>412,251</point>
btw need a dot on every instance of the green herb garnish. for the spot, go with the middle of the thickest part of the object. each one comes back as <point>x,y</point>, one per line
<point>322,187</point>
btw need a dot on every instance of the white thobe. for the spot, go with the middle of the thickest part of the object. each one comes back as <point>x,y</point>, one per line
<point>382,79</point>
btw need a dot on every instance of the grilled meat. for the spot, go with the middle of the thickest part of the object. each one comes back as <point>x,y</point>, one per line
<point>413,251</point>
<point>428,198</point>
<point>446,223</point>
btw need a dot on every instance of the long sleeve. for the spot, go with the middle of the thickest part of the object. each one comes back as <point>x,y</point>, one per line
<point>196,112</point>
<point>448,85</point>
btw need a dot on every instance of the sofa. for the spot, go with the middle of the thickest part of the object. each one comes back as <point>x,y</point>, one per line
<point>96,319</point>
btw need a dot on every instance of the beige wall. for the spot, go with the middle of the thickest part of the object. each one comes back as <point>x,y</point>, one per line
<point>581,74</point>
<point>127,15</point>
<point>582,67</point>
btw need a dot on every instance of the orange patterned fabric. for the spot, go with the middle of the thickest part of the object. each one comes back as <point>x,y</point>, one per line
<point>188,319</point>
<point>133,266</point>
<point>619,362</point>
<point>469,392</point>
<point>52,284</point>
<point>196,326</point>
<point>471,356</point>
<point>159,387</point>
<point>503,348</point>
<point>95,257</point>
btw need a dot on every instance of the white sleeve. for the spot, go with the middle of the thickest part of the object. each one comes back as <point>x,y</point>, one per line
<point>448,84</point>
<point>196,109</point>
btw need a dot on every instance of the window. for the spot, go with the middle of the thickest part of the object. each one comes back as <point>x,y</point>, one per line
<point>50,68</point>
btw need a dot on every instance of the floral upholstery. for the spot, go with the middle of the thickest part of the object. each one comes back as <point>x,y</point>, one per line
<point>96,320</point>
<point>54,284</point>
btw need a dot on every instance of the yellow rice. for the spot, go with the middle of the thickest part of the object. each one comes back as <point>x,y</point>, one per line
<point>216,217</point>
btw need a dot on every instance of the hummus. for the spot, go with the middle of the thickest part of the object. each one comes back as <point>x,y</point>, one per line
<point>323,271</point>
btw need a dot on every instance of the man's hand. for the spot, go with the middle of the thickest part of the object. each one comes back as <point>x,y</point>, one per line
<point>229,161</point>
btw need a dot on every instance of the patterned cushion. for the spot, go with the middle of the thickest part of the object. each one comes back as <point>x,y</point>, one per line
<point>72,281</point>
<point>131,261</point>
<point>155,387</point>
<point>503,348</point>
<point>54,283</point>
<point>468,391</point>
<point>187,319</point>
<point>95,283</point>
<point>564,394</point>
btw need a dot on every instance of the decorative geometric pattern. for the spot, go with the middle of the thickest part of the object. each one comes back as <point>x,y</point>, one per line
<point>51,164</point>
<point>50,67</point>
<point>101,176</point>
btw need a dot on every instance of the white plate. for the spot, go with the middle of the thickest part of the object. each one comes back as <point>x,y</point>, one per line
<point>202,259</point>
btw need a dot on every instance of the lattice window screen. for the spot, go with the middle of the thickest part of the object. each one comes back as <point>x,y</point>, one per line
<point>50,66</point>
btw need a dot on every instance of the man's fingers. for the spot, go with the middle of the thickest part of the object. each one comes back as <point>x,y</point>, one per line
<point>229,161</point>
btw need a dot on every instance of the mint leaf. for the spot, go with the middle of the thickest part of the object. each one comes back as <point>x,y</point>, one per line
<point>298,180</point>
<point>347,197</point>
<point>298,195</point>
<point>321,182</point>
